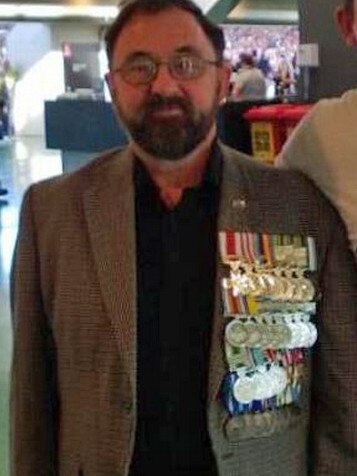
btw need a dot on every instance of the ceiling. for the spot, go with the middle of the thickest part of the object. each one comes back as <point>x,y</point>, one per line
<point>236,11</point>
<point>264,11</point>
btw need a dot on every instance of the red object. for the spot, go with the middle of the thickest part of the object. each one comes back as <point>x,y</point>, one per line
<point>271,125</point>
<point>294,115</point>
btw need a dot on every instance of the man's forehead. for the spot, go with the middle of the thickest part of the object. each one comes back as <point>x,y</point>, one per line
<point>163,32</point>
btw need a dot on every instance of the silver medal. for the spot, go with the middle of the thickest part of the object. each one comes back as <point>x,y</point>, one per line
<point>236,333</point>
<point>244,389</point>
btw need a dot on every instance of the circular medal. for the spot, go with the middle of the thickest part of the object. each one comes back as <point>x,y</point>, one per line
<point>283,334</point>
<point>279,289</point>
<point>265,336</point>
<point>289,288</point>
<point>254,336</point>
<point>313,334</point>
<point>273,337</point>
<point>233,357</point>
<point>244,389</point>
<point>298,291</point>
<point>295,335</point>
<point>260,386</point>
<point>236,333</point>
<point>268,283</point>
<point>263,283</point>
<point>279,378</point>
<point>246,284</point>
<point>256,288</point>
<point>308,289</point>
<point>304,334</point>
<point>268,385</point>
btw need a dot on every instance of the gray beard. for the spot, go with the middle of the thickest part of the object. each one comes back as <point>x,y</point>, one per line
<point>169,139</point>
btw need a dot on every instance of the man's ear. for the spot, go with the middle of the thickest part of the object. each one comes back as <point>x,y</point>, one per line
<point>225,76</point>
<point>346,25</point>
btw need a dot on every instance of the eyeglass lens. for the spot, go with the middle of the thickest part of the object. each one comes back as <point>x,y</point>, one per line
<point>143,69</point>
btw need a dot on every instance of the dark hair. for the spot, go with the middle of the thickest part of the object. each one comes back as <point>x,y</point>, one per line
<point>246,59</point>
<point>131,7</point>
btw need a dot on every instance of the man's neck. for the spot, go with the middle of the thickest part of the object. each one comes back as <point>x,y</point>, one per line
<point>179,174</point>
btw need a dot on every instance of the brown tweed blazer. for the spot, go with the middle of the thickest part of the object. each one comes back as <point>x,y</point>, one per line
<point>73,288</point>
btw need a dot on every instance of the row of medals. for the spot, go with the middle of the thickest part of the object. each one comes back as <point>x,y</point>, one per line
<point>268,380</point>
<point>278,283</point>
<point>268,331</point>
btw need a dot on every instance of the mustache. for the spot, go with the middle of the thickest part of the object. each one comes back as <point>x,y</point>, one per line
<point>156,102</point>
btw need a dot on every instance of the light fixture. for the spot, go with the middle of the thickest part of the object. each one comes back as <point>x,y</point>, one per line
<point>50,11</point>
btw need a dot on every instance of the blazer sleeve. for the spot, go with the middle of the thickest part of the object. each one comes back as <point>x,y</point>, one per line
<point>33,400</point>
<point>334,393</point>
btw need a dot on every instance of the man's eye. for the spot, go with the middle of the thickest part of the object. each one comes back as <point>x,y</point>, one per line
<point>187,65</point>
<point>140,67</point>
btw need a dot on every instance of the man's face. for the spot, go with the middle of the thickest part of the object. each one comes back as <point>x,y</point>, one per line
<point>167,117</point>
<point>346,18</point>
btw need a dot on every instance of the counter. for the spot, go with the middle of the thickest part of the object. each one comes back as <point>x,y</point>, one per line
<point>81,129</point>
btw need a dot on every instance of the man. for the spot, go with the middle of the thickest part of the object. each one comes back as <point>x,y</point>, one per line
<point>284,76</point>
<point>323,145</point>
<point>249,82</point>
<point>143,343</point>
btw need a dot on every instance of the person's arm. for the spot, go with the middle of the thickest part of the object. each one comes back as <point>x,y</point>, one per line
<point>334,395</point>
<point>300,148</point>
<point>33,401</point>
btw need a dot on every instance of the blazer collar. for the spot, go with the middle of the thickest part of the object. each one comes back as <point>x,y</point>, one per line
<point>110,214</point>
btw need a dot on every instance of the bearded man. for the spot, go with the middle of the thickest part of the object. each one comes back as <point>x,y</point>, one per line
<point>167,297</point>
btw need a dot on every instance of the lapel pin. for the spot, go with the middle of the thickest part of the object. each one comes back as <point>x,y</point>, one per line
<point>239,203</point>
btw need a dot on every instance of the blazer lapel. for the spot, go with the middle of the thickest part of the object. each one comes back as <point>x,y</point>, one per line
<point>110,213</point>
<point>234,213</point>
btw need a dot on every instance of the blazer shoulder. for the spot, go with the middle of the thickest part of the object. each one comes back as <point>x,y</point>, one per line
<point>63,195</point>
<point>257,171</point>
<point>78,180</point>
<point>289,190</point>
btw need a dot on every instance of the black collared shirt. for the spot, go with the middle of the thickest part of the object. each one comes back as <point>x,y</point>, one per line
<point>176,262</point>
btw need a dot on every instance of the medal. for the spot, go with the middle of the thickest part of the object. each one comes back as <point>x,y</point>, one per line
<point>269,294</point>
<point>244,389</point>
<point>279,378</point>
<point>263,387</point>
<point>237,357</point>
<point>312,334</point>
<point>254,335</point>
<point>236,333</point>
<point>283,334</point>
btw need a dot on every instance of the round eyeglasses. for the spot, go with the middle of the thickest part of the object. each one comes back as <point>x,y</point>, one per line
<point>142,68</point>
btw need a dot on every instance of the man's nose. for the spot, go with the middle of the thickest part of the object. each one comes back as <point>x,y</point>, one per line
<point>164,83</point>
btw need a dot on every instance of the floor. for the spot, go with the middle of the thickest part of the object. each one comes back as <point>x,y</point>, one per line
<point>22,162</point>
